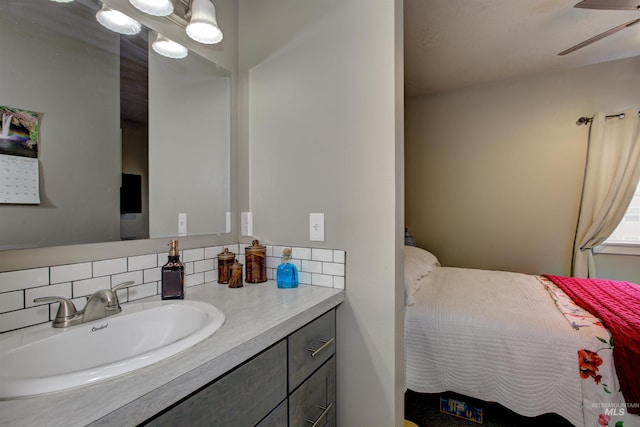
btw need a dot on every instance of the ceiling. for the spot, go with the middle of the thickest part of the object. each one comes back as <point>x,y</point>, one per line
<point>451,44</point>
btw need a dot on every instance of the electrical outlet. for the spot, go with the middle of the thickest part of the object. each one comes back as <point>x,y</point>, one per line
<point>316,227</point>
<point>182,224</point>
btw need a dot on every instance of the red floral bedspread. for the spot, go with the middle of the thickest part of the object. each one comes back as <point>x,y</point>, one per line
<point>618,305</point>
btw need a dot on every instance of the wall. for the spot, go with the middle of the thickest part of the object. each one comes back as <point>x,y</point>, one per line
<point>69,113</point>
<point>321,132</point>
<point>494,172</point>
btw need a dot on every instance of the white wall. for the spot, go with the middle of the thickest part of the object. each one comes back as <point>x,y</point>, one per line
<point>74,84</point>
<point>494,172</point>
<point>321,132</point>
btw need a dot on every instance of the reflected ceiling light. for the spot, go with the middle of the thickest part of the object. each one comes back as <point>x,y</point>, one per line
<point>62,1</point>
<point>169,48</point>
<point>117,21</point>
<point>203,25</point>
<point>154,7</point>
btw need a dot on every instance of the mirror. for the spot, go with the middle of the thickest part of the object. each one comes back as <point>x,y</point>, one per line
<point>166,127</point>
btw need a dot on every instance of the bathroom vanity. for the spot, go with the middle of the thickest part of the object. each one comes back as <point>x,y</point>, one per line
<point>272,363</point>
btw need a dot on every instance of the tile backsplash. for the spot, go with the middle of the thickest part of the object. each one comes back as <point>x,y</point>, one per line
<point>18,289</point>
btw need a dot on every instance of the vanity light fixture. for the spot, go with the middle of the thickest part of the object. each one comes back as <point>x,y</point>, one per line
<point>203,25</point>
<point>62,1</point>
<point>169,48</point>
<point>153,7</point>
<point>117,21</point>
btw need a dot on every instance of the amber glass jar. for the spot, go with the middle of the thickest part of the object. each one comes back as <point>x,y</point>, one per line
<point>255,263</point>
<point>225,261</point>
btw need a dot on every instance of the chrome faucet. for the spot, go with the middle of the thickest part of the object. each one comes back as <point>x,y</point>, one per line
<point>102,303</point>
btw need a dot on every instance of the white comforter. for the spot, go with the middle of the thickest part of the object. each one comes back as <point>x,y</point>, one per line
<point>496,336</point>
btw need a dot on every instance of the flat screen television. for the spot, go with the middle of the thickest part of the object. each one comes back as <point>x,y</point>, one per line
<point>131,194</point>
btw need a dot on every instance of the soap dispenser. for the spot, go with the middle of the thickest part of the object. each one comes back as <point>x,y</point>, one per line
<point>173,274</point>
<point>287,273</point>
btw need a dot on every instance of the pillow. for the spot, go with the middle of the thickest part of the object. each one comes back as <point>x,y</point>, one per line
<point>418,263</point>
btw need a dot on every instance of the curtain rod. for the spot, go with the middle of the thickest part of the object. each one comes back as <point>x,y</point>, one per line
<point>584,120</point>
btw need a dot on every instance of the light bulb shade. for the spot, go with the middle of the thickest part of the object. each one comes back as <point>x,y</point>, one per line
<point>154,7</point>
<point>62,1</point>
<point>203,25</point>
<point>117,21</point>
<point>169,48</point>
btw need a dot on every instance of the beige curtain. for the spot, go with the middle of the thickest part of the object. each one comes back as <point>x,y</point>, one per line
<point>611,176</point>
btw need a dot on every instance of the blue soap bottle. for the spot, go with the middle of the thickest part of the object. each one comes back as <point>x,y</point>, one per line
<point>287,273</point>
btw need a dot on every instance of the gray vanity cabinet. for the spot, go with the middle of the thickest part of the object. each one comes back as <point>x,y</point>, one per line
<point>292,383</point>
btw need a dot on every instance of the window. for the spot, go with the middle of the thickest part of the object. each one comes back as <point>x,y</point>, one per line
<point>628,231</point>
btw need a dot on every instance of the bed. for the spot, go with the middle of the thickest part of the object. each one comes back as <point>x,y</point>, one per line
<point>509,338</point>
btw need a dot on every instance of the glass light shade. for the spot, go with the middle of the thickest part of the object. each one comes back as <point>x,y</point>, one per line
<point>62,1</point>
<point>169,48</point>
<point>154,7</point>
<point>117,21</point>
<point>203,25</point>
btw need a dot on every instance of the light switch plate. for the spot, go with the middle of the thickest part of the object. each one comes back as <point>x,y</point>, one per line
<point>247,223</point>
<point>182,224</point>
<point>316,227</point>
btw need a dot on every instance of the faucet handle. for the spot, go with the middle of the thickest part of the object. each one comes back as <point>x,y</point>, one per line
<point>66,310</point>
<point>122,285</point>
<point>113,297</point>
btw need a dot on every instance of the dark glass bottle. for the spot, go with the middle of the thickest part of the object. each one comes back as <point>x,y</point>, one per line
<point>173,274</point>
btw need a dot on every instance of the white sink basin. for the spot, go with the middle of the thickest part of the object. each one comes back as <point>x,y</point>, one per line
<point>42,359</point>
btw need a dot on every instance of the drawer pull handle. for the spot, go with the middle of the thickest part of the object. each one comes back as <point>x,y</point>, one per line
<point>325,411</point>
<point>325,344</point>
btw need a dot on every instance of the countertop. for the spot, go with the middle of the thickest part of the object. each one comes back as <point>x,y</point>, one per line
<point>257,316</point>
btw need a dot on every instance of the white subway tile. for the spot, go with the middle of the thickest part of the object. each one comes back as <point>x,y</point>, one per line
<point>333,268</point>
<point>212,251</point>
<point>338,256</point>
<point>304,277</point>
<point>192,255</point>
<point>194,279</point>
<point>188,268</point>
<point>142,262</point>
<point>59,290</point>
<point>109,266</point>
<point>322,254</point>
<point>210,276</point>
<point>136,276</point>
<point>70,272</point>
<point>273,262</point>
<point>23,318</point>
<point>322,280</point>
<point>89,286</point>
<point>301,253</point>
<point>10,301</point>
<point>202,265</point>
<point>22,279</point>
<point>152,275</point>
<point>338,282</point>
<point>141,291</point>
<point>311,266</point>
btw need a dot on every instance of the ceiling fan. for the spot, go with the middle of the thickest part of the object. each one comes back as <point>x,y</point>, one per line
<point>605,5</point>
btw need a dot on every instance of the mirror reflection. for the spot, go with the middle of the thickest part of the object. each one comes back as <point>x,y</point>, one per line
<point>113,114</point>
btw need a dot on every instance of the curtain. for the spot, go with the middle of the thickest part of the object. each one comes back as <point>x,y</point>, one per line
<point>611,175</point>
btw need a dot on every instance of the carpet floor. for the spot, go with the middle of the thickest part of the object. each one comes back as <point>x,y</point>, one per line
<point>424,410</point>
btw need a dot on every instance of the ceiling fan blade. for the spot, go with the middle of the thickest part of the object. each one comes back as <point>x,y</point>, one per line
<point>599,37</point>
<point>609,4</point>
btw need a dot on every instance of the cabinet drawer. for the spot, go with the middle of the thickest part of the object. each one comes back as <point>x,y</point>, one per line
<point>279,417</point>
<point>310,347</point>
<point>314,402</point>
<point>242,397</point>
